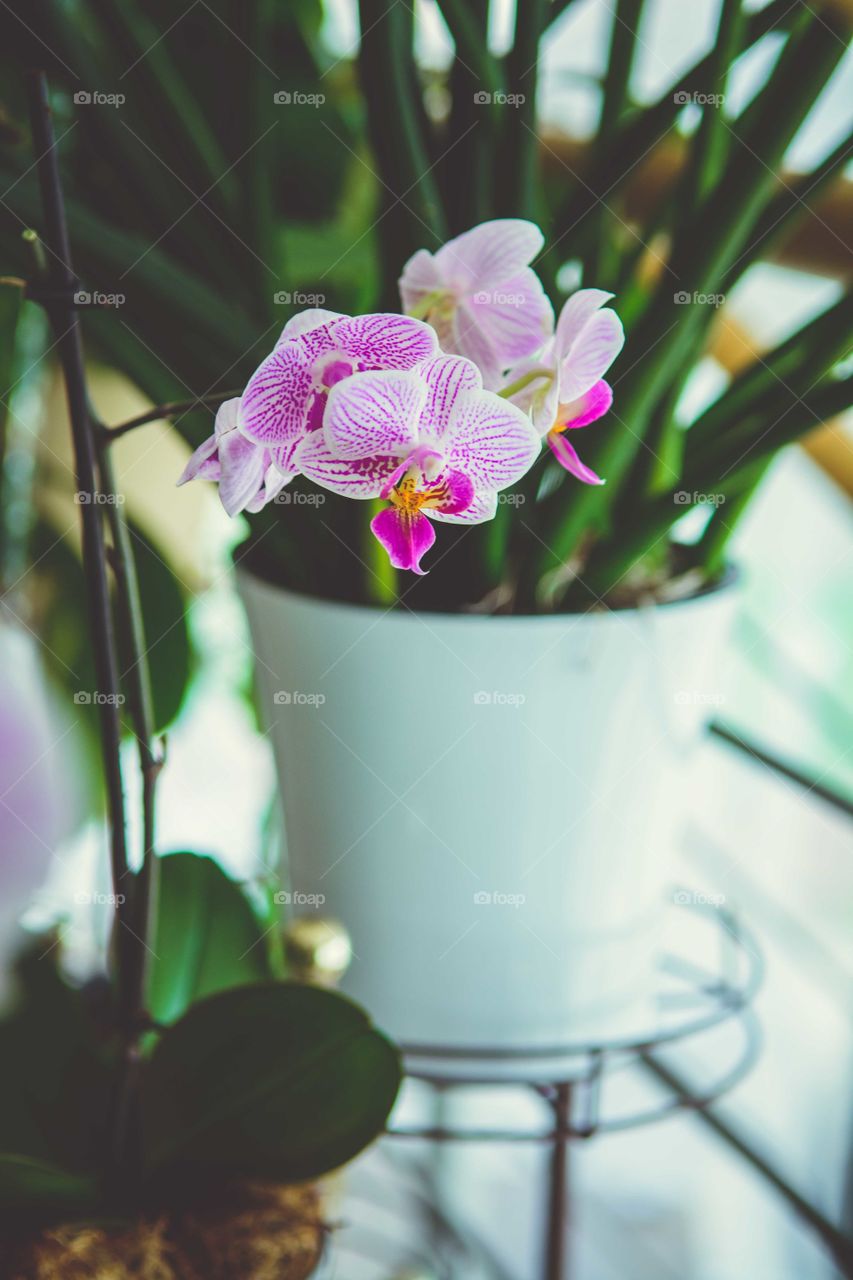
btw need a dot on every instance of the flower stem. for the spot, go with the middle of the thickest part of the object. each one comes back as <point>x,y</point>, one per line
<point>55,288</point>
<point>525,381</point>
<point>173,409</point>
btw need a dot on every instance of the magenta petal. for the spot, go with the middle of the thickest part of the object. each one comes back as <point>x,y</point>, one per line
<point>405,536</point>
<point>588,408</point>
<point>275,402</point>
<point>567,457</point>
<point>386,340</point>
<point>457,493</point>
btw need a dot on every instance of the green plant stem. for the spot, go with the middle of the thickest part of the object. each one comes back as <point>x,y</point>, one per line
<point>138,680</point>
<point>517,191</point>
<point>413,215</point>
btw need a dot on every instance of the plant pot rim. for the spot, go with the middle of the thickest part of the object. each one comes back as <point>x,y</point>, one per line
<point>726,582</point>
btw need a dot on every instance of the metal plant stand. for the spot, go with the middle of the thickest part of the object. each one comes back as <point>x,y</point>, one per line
<point>574,1080</point>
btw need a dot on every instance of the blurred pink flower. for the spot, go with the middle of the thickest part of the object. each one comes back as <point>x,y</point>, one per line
<point>481,296</point>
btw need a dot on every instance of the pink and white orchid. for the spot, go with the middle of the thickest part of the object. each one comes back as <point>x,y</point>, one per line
<point>247,476</point>
<point>286,396</point>
<point>431,441</point>
<point>481,296</point>
<point>563,387</point>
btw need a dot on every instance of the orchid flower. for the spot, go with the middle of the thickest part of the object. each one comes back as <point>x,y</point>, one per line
<point>286,396</point>
<point>431,441</point>
<point>248,478</point>
<point>481,296</point>
<point>563,388</point>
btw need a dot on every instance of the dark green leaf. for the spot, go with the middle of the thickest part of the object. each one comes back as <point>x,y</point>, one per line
<point>31,1187</point>
<point>278,1081</point>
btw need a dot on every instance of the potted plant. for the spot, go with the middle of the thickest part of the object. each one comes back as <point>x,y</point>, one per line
<point>170,1116</point>
<point>503,725</point>
<point>482,766</point>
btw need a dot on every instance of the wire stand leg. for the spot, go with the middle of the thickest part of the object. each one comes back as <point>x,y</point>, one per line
<point>557,1230</point>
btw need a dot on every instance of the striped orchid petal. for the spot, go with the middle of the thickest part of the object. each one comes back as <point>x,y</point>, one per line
<point>275,402</point>
<point>372,413</point>
<point>351,477</point>
<point>491,440</point>
<point>386,340</point>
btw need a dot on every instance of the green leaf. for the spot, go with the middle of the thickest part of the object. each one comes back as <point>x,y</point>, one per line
<point>34,1188</point>
<point>207,939</point>
<point>57,1079</point>
<point>274,1081</point>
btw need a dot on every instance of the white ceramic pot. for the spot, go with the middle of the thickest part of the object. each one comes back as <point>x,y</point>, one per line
<point>488,803</point>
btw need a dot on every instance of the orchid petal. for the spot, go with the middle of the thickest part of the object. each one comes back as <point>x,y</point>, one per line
<point>465,336</point>
<point>350,477</point>
<point>420,277</point>
<point>305,321</point>
<point>483,506</point>
<point>204,463</point>
<point>274,482</point>
<point>405,535</point>
<point>568,458</point>
<point>386,340</point>
<point>592,354</point>
<point>371,413</point>
<point>576,311</point>
<point>275,401</point>
<point>446,378</point>
<point>284,459</point>
<point>244,464</point>
<point>453,496</point>
<point>489,253</point>
<point>516,316</point>
<point>491,440</point>
<point>588,408</point>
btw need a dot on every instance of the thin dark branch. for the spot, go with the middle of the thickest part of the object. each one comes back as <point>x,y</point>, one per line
<point>173,409</point>
<point>60,282</point>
